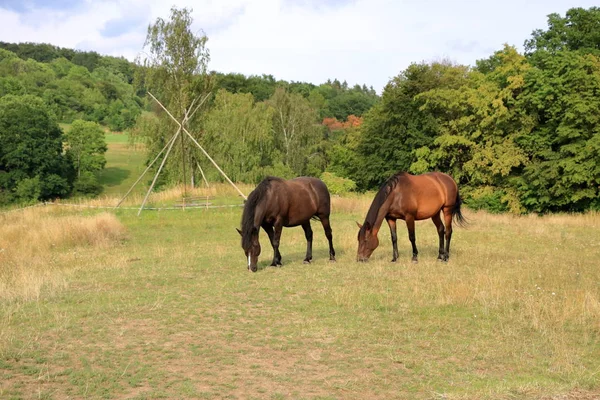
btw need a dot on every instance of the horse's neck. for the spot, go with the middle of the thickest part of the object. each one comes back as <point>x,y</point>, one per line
<point>381,213</point>
<point>260,211</point>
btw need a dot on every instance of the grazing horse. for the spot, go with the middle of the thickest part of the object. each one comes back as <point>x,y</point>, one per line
<point>411,198</point>
<point>276,203</point>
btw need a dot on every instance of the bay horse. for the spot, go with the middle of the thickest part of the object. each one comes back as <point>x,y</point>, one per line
<point>411,198</point>
<point>276,203</point>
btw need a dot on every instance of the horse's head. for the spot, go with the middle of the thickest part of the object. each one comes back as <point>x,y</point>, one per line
<point>367,241</point>
<point>251,247</point>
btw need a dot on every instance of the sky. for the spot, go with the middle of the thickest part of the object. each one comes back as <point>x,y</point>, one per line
<point>357,41</point>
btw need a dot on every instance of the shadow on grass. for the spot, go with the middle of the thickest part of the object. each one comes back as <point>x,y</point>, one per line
<point>297,257</point>
<point>113,176</point>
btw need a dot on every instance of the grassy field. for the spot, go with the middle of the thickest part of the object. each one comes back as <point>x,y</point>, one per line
<point>105,304</point>
<point>124,164</point>
<point>162,306</point>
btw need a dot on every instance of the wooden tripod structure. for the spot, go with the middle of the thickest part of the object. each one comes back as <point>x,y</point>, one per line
<point>169,146</point>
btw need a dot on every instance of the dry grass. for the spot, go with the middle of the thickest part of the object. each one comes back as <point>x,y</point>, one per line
<point>164,198</point>
<point>37,243</point>
<point>351,203</point>
<point>173,313</point>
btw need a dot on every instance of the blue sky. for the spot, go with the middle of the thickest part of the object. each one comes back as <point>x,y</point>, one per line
<point>360,41</point>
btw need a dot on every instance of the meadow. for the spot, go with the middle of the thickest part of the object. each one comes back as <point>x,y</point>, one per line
<point>104,304</point>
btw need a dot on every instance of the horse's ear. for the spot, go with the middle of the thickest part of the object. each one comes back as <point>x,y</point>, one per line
<point>359,225</point>
<point>240,232</point>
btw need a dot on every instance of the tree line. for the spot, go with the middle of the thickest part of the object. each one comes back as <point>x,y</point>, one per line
<point>519,132</point>
<point>43,86</point>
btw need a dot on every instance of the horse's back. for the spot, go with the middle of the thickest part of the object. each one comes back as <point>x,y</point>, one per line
<point>428,193</point>
<point>449,187</point>
<point>306,197</point>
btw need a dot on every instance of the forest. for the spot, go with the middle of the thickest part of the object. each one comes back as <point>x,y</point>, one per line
<point>518,131</point>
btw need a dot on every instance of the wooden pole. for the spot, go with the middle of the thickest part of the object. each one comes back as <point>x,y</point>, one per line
<point>144,173</point>
<point>200,147</point>
<point>203,176</point>
<point>169,144</point>
<point>162,164</point>
<point>215,164</point>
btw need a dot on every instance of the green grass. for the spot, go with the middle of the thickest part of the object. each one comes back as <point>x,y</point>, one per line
<point>124,165</point>
<point>172,312</point>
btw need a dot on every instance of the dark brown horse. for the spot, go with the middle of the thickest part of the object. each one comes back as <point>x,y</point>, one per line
<point>411,198</point>
<point>276,203</point>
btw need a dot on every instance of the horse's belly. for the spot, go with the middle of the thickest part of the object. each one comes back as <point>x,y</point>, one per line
<point>427,211</point>
<point>295,219</point>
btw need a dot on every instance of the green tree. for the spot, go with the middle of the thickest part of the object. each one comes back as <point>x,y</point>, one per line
<point>579,30</point>
<point>564,173</point>
<point>176,72</point>
<point>10,85</point>
<point>480,125</point>
<point>31,149</point>
<point>238,135</point>
<point>398,125</point>
<point>86,146</point>
<point>295,129</point>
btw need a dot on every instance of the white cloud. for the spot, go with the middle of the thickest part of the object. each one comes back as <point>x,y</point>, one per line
<point>360,41</point>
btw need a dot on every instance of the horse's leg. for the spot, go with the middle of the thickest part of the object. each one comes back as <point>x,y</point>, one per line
<point>278,227</point>
<point>448,221</point>
<point>276,256</point>
<point>437,220</point>
<point>327,227</point>
<point>410,224</point>
<point>308,233</point>
<point>392,223</point>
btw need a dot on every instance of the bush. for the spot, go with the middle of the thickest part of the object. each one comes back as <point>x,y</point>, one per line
<point>279,169</point>
<point>87,184</point>
<point>337,184</point>
<point>486,198</point>
<point>28,190</point>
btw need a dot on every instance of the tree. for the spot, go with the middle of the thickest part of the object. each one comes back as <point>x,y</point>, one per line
<point>86,146</point>
<point>480,124</point>
<point>579,30</point>
<point>564,172</point>
<point>31,151</point>
<point>238,135</point>
<point>398,124</point>
<point>295,129</point>
<point>72,92</point>
<point>176,72</point>
<point>343,140</point>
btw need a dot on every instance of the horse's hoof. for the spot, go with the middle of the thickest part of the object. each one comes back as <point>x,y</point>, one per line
<point>332,260</point>
<point>440,259</point>
<point>393,260</point>
<point>414,261</point>
<point>306,261</point>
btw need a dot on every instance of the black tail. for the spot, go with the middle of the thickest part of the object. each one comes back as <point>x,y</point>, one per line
<point>457,214</point>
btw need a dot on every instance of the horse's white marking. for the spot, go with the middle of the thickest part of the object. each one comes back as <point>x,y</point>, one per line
<point>248,260</point>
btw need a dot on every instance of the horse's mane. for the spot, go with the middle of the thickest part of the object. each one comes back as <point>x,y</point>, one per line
<point>380,197</point>
<point>250,209</point>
